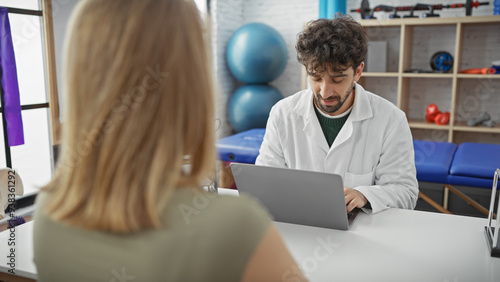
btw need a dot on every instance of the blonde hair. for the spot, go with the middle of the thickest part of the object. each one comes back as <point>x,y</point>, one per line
<point>138,101</point>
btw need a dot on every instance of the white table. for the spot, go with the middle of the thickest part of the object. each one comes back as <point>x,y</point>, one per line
<point>393,245</point>
<point>24,251</point>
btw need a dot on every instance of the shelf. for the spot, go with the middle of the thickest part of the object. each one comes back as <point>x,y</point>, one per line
<point>462,126</point>
<point>431,21</point>
<point>437,75</point>
<point>428,75</point>
<point>421,124</point>
<point>480,76</point>
<point>380,74</point>
<point>472,41</point>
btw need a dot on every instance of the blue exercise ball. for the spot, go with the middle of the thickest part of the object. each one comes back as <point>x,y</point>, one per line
<point>250,105</point>
<point>256,53</point>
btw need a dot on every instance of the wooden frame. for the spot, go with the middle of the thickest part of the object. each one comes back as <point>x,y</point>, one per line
<point>14,278</point>
<point>466,198</point>
<point>48,30</point>
<point>444,208</point>
<point>433,203</point>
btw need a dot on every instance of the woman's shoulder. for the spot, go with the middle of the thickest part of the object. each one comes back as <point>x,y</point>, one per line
<point>193,209</point>
<point>200,206</point>
<point>40,202</point>
<point>243,206</point>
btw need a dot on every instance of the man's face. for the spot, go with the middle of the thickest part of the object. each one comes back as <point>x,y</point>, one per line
<point>332,91</point>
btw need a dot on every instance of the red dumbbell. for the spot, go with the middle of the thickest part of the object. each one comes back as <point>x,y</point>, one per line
<point>434,115</point>
<point>431,112</point>
<point>442,118</point>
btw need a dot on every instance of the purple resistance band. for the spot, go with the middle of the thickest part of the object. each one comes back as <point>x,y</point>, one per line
<point>12,104</point>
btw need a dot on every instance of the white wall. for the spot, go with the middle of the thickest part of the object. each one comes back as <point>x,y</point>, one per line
<point>288,17</point>
<point>61,11</point>
<point>226,17</point>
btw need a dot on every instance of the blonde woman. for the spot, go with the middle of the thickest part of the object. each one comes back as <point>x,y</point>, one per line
<point>120,207</point>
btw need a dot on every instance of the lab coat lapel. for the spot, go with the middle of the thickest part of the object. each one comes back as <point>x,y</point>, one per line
<point>344,134</point>
<point>312,128</point>
<point>361,110</point>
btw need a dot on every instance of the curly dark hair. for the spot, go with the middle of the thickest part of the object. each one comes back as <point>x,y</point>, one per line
<point>339,43</point>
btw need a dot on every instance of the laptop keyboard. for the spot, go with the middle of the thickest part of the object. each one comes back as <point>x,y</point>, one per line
<point>349,214</point>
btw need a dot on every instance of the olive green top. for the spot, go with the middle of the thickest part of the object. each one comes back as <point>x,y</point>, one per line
<point>208,238</point>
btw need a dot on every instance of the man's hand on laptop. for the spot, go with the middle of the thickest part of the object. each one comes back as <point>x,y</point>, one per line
<point>354,199</point>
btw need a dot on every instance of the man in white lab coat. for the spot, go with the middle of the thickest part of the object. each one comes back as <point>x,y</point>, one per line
<point>338,127</point>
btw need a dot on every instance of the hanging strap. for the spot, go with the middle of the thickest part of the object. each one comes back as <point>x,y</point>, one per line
<point>12,104</point>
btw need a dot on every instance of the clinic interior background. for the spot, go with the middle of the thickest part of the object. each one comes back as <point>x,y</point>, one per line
<point>34,160</point>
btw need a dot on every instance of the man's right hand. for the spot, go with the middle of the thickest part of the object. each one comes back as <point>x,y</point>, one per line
<point>354,199</point>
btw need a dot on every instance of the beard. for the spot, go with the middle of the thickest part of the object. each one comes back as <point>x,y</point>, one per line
<point>330,109</point>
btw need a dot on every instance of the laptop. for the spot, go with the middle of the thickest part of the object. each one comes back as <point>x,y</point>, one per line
<point>296,196</point>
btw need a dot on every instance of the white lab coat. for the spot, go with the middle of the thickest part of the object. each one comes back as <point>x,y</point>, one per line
<point>373,151</point>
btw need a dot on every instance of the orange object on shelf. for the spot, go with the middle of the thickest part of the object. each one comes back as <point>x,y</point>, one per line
<point>479,71</point>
